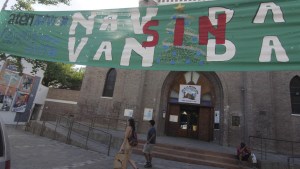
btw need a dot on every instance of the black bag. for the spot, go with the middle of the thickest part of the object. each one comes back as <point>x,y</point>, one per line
<point>132,140</point>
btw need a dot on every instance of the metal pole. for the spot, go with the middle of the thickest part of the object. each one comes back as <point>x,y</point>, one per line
<point>261,148</point>
<point>87,138</point>
<point>293,152</point>
<point>109,144</point>
<point>4,5</point>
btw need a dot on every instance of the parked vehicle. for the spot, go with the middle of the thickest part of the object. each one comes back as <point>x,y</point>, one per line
<point>4,147</point>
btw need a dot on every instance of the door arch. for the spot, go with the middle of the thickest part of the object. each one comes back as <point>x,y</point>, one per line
<point>187,119</point>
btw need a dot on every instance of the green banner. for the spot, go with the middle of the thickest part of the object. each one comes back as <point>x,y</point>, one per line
<point>232,35</point>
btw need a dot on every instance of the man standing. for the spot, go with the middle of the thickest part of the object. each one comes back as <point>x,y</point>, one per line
<point>148,147</point>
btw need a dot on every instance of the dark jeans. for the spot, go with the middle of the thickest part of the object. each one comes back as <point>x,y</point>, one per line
<point>244,157</point>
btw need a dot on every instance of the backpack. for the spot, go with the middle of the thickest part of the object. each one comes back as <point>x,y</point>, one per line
<point>132,140</point>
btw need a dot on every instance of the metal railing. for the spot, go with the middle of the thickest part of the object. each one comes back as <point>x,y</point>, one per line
<point>105,122</point>
<point>269,145</point>
<point>79,132</point>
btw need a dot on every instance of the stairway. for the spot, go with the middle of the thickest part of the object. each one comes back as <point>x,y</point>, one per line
<point>193,156</point>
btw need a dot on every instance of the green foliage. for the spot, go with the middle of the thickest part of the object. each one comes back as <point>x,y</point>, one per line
<point>26,5</point>
<point>63,76</point>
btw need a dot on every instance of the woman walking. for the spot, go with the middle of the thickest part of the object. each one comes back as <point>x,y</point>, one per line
<point>125,147</point>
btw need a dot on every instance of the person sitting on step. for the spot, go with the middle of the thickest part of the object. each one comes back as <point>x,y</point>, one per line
<point>243,152</point>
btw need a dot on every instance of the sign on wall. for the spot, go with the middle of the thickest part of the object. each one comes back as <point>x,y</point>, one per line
<point>208,36</point>
<point>189,94</point>
<point>128,112</point>
<point>148,113</point>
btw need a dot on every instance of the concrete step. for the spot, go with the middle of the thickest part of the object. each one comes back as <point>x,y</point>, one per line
<point>194,156</point>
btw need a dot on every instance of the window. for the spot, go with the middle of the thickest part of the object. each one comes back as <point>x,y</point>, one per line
<point>295,94</point>
<point>109,83</point>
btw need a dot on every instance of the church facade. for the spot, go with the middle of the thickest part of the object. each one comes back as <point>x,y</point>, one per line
<point>232,107</point>
<point>221,107</point>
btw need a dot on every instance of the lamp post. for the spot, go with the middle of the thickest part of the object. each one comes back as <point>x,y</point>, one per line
<point>4,5</point>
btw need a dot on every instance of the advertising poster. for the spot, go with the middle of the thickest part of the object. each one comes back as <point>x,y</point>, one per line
<point>10,65</point>
<point>10,79</point>
<point>189,94</point>
<point>26,83</point>
<point>2,93</point>
<point>20,102</point>
<point>8,98</point>
<point>148,114</point>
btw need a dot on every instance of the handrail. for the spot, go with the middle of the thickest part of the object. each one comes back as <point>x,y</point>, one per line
<point>288,160</point>
<point>93,119</point>
<point>70,129</point>
<point>277,140</point>
<point>273,139</point>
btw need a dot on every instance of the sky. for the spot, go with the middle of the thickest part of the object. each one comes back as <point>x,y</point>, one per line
<point>82,5</point>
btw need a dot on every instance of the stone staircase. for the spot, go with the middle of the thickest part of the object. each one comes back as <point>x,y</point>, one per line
<point>161,150</point>
<point>194,156</point>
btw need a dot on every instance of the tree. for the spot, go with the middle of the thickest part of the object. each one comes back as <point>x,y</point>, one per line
<point>26,5</point>
<point>63,76</point>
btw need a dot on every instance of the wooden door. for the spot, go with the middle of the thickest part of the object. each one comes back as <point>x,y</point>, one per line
<point>172,126</point>
<point>206,118</point>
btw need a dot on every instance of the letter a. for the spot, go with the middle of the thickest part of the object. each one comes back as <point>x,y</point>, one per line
<point>263,10</point>
<point>266,50</point>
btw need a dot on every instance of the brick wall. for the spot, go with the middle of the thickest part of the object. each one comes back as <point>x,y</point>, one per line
<point>60,101</point>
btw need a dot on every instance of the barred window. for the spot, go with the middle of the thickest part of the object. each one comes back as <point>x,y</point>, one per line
<point>109,83</point>
<point>295,94</point>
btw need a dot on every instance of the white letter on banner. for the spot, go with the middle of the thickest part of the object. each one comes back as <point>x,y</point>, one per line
<point>267,48</point>
<point>135,19</point>
<point>87,23</point>
<point>146,53</point>
<point>104,47</point>
<point>214,10</point>
<point>74,55</point>
<point>211,51</point>
<point>263,10</point>
<point>109,20</point>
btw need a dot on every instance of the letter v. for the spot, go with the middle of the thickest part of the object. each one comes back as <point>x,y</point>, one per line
<point>74,55</point>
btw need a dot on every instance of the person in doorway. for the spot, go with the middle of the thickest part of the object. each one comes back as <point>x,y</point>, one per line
<point>148,147</point>
<point>125,147</point>
<point>243,152</point>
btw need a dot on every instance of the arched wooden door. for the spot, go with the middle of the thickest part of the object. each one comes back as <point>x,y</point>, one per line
<point>189,119</point>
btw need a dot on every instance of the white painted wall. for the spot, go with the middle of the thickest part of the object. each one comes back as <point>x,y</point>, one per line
<point>41,95</point>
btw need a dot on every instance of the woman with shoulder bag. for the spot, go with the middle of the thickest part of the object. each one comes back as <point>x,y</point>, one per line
<point>125,147</point>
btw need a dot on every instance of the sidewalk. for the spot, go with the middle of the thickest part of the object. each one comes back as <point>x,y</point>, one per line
<point>210,146</point>
<point>29,151</point>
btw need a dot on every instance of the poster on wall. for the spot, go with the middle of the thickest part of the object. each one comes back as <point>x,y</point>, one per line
<point>8,98</point>
<point>189,94</point>
<point>20,102</point>
<point>11,65</point>
<point>2,93</point>
<point>148,114</point>
<point>26,83</point>
<point>1,64</point>
<point>10,79</point>
<point>217,116</point>
<point>173,118</point>
<point>128,112</point>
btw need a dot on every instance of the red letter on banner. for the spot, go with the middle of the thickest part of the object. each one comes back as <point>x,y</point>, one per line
<point>147,31</point>
<point>205,27</point>
<point>179,32</point>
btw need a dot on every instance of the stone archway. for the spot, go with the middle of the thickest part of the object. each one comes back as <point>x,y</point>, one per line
<point>218,100</point>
